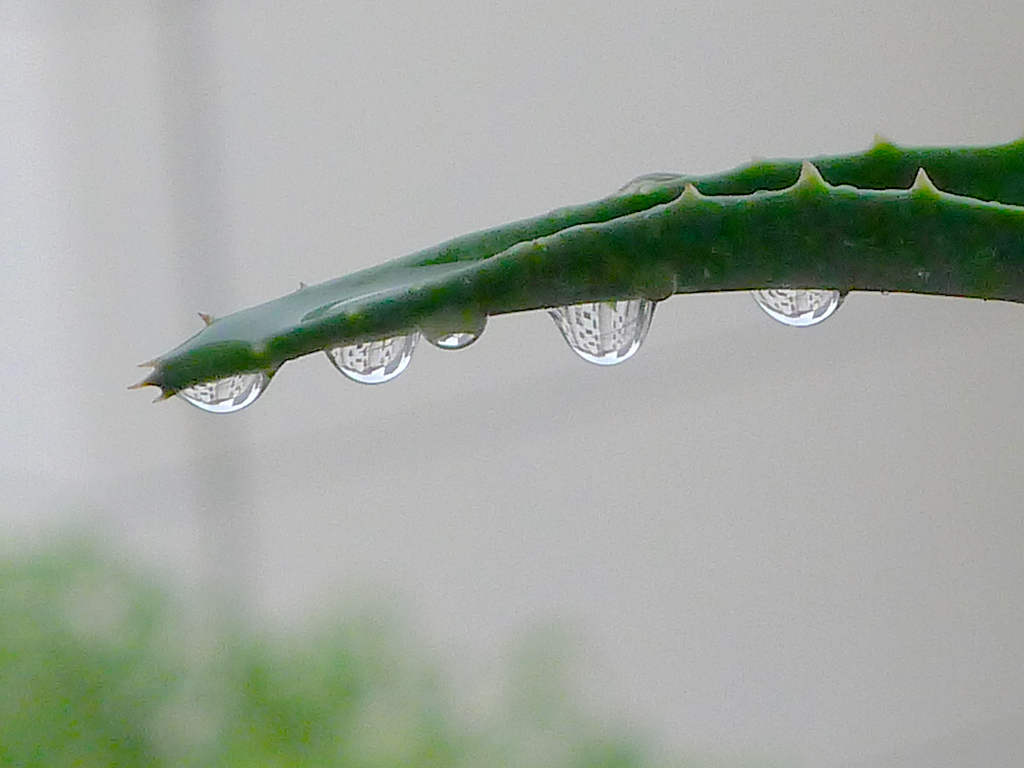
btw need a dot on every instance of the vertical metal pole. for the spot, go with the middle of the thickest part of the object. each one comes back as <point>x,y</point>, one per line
<point>193,141</point>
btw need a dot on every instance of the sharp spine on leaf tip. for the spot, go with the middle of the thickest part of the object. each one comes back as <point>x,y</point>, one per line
<point>150,381</point>
<point>140,384</point>
<point>693,233</point>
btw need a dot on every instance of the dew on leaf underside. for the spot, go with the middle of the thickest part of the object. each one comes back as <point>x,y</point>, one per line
<point>374,362</point>
<point>605,332</point>
<point>799,307</point>
<point>227,395</point>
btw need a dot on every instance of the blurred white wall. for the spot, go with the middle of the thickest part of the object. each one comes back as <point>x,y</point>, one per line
<point>799,546</point>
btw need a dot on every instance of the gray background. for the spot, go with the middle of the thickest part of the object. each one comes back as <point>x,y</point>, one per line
<point>791,546</point>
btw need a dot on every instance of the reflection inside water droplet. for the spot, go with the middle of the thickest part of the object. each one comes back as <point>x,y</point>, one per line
<point>605,332</point>
<point>799,307</point>
<point>456,339</point>
<point>227,395</point>
<point>374,362</point>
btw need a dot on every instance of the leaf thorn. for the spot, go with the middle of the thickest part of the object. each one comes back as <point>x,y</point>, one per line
<point>810,177</point>
<point>881,141</point>
<point>923,183</point>
<point>690,192</point>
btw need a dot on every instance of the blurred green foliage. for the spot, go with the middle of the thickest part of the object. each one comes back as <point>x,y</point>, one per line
<point>100,666</point>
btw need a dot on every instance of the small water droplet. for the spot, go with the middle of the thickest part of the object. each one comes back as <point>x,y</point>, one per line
<point>459,339</point>
<point>374,362</point>
<point>227,395</point>
<point>799,307</point>
<point>646,183</point>
<point>605,332</point>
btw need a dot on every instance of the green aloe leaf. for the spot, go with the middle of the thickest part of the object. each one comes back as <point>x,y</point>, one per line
<point>944,221</point>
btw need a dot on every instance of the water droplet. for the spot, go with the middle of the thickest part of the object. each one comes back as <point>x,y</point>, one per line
<point>799,307</point>
<point>227,395</point>
<point>459,339</point>
<point>605,332</point>
<point>646,183</point>
<point>374,362</point>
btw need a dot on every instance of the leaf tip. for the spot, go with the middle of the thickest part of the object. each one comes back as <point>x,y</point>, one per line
<point>146,382</point>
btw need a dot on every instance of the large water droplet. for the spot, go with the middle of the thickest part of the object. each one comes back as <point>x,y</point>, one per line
<point>227,395</point>
<point>605,332</point>
<point>799,307</point>
<point>459,339</point>
<point>374,362</point>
